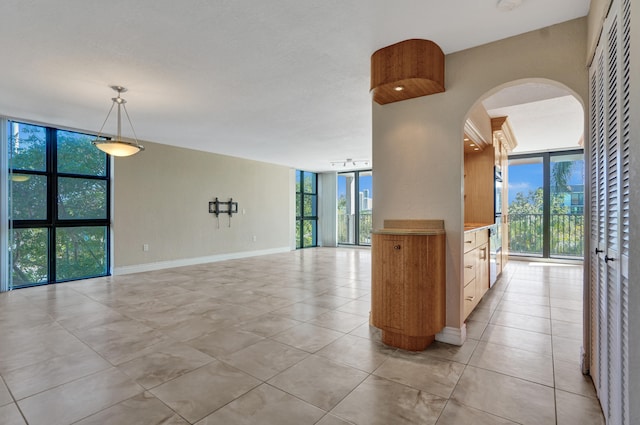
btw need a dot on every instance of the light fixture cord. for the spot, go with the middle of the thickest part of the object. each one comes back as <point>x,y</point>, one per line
<point>135,136</point>
<point>105,120</point>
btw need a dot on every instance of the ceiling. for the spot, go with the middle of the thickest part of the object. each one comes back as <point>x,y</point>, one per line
<point>284,81</point>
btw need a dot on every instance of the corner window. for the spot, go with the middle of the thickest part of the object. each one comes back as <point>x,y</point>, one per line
<point>306,209</point>
<point>58,206</point>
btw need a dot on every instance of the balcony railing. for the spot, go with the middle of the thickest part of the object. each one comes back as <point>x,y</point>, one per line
<point>565,235</point>
<point>346,228</point>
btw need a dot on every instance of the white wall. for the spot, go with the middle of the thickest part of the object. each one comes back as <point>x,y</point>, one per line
<point>161,199</point>
<point>417,143</point>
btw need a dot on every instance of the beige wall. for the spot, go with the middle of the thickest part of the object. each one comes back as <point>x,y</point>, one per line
<point>161,198</point>
<point>417,143</point>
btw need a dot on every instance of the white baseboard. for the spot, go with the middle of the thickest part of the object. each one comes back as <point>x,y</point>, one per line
<point>138,268</point>
<point>455,336</point>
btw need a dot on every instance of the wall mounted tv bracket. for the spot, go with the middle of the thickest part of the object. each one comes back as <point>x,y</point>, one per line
<point>218,207</point>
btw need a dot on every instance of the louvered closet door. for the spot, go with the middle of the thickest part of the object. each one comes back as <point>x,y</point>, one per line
<point>609,145</point>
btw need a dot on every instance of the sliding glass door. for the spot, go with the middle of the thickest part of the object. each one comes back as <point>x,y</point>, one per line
<point>546,204</point>
<point>355,205</point>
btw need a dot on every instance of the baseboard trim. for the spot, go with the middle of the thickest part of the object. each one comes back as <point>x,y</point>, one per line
<point>148,267</point>
<point>450,335</point>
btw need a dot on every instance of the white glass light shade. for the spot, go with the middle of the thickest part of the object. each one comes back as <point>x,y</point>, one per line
<point>118,147</point>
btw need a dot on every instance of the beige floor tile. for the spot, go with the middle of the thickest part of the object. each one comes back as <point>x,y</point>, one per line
<point>567,304</point>
<point>319,381</point>
<point>75,400</point>
<point>507,397</point>
<point>455,413</point>
<point>268,325</point>
<point>566,329</point>
<point>521,321</point>
<point>475,329</point>
<point>378,401</point>
<point>526,309</point>
<point>514,362</point>
<point>265,405</point>
<point>10,415</point>
<point>359,307</point>
<point>575,409</point>
<point>55,371</point>
<point>224,342</point>
<point>354,351</point>
<point>367,331</point>
<point>569,377</point>
<point>518,338</point>
<point>480,314</point>
<point>198,393</point>
<point>567,349</point>
<point>422,372</point>
<point>265,359</point>
<point>327,301</point>
<point>301,312</point>
<point>308,337</point>
<point>165,364</point>
<point>5,395</point>
<point>456,353</point>
<point>566,315</point>
<point>339,321</point>
<point>329,419</point>
<point>25,347</point>
<point>143,409</point>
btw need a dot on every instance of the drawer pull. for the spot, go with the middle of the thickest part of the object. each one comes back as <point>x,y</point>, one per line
<point>468,267</point>
<point>396,247</point>
<point>470,298</point>
<point>468,241</point>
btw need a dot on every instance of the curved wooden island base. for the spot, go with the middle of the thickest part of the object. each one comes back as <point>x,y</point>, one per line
<point>408,282</point>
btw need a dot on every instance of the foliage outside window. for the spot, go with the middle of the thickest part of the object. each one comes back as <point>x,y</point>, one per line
<point>58,206</point>
<point>306,209</point>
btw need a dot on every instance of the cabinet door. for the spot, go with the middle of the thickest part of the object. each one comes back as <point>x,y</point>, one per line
<point>482,270</point>
<point>389,293</point>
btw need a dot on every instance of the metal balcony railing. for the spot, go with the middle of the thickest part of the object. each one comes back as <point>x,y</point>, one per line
<point>565,235</point>
<point>346,228</point>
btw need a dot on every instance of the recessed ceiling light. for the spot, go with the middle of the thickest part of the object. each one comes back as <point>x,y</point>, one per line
<point>507,5</point>
<point>398,88</point>
<point>466,139</point>
<point>471,144</point>
<point>476,149</point>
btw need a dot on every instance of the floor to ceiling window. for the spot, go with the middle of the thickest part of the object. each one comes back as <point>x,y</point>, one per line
<point>546,204</point>
<point>355,205</point>
<point>58,206</point>
<point>306,209</point>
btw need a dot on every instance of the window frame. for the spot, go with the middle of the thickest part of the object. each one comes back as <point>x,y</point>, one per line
<point>52,222</point>
<point>301,218</point>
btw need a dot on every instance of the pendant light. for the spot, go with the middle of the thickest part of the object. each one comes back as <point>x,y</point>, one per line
<point>117,146</point>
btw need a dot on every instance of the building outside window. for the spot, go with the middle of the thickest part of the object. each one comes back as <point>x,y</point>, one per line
<point>58,202</point>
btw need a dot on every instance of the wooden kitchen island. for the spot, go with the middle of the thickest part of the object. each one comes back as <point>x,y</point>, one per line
<point>408,282</point>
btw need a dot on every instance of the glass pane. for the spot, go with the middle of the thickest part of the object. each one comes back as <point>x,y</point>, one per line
<point>298,177</point>
<point>526,206</point>
<point>309,182</point>
<point>81,252</point>
<point>298,205</point>
<point>309,235</point>
<point>77,155</point>
<point>28,250</point>
<point>567,206</point>
<point>365,181</point>
<point>298,244</point>
<point>82,198</point>
<point>27,147</point>
<point>28,197</point>
<point>310,205</point>
<point>346,208</point>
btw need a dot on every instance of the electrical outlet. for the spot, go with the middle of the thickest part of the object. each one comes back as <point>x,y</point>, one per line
<point>145,247</point>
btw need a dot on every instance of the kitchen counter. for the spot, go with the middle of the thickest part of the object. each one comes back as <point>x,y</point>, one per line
<point>476,226</point>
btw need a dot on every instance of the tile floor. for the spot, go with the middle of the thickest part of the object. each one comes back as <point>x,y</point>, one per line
<point>284,339</point>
